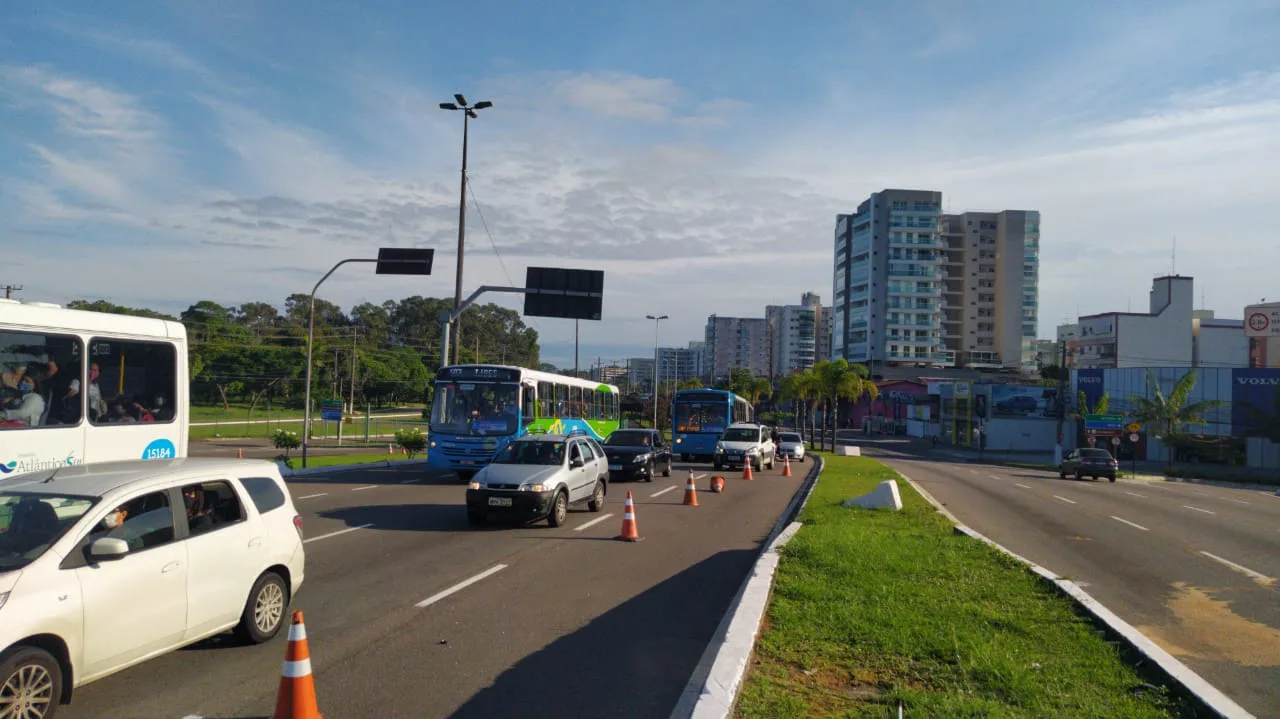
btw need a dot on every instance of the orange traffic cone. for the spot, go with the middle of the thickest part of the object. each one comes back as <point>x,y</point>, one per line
<point>629,531</point>
<point>239,454</point>
<point>746,470</point>
<point>297,696</point>
<point>786,465</point>
<point>717,484</point>
<point>690,492</point>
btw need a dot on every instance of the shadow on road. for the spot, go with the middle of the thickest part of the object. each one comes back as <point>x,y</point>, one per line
<point>632,661</point>
<point>419,517</point>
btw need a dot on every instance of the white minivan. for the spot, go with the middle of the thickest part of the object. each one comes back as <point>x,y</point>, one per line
<point>103,566</point>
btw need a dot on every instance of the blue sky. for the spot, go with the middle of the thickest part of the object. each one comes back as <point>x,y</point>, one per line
<point>165,152</point>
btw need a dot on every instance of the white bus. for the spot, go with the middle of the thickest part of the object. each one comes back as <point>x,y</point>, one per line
<point>79,387</point>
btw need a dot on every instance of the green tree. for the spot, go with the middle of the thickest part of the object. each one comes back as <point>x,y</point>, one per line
<point>1166,415</point>
<point>1082,406</point>
<point>801,388</point>
<point>691,383</point>
<point>838,380</point>
<point>112,308</point>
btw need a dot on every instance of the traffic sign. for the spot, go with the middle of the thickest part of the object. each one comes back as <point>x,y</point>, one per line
<point>331,410</point>
<point>1133,427</point>
<point>1113,422</point>
<point>1115,441</point>
<point>1133,437</point>
<point>565,293</point>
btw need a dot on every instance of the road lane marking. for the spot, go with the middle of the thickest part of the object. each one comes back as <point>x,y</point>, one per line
<point>1131,524</point>
<point>357,489</point>
<point>460,586</point>
<point>1069,501</point>
<point>334,534</point>
<point>1241,501</point>
<point>313,496</point>
<point>995,476</point>
<point>1243,570</point>
<point>411,481</point>
<point>662,491</point>
<point>973,471</point>
<point>593,522</point>
<point>1022,485</point>
<point>1188,506</point>
<point>1135,494</point>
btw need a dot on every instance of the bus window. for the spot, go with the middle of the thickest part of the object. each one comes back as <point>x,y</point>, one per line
<point>529,407</point>
<point>136,379</point>
<point>575,402</point>
<point>37,373</point>
<point>546,399</point>
<point>562,401</point>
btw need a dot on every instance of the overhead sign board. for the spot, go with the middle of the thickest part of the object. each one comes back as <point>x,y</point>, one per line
<point>564,293</point>
<point>404,261</point>
<point>1104,422</point>
<point>1262,320</point>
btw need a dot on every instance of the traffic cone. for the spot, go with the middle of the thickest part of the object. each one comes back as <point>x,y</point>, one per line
<point>297,696</point>
<point>690,492</point>
<point>786,465</point>
<point>239,453</point>
<point>717,484</point>
<point>746,470</point>
<point>629,531</point>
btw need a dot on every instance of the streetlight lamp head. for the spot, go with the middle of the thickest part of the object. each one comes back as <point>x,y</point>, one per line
<point>483,104</point>
<point>472,114</point>
<point>461,100</point>
<point>448,106</point>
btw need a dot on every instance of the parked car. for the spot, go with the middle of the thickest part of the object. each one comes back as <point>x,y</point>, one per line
<point>103,566</point>
<point>1088,462</point>
<point>744,442</point>
<point>791,444</point>
<point>637,454</point>
<point>539,476</point>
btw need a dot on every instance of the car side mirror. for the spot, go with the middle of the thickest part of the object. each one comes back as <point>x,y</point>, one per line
<point>108,548</point>
<point>576,462</point>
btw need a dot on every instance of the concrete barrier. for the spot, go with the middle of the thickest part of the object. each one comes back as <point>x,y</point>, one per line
<point>846,450</point>
<point>884,496</point>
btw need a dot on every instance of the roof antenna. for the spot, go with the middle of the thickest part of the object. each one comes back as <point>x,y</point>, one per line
<point>1174,258</point>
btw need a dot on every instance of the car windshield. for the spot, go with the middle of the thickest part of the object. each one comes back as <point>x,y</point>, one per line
<point>31,523</point>
<point>624,438</point>
<point>701,416</point>
<point>548,453</point>
<point>475,408</point>
<point>1095,454</point>
<point>741,434</point>
<point>789,437</point>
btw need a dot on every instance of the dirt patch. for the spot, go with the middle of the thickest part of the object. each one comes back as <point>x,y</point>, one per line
<point>1206,628</point>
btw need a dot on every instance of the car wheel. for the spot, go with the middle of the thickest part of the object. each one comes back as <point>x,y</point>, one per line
<point>559,510</point>
<point>477,517</point>
<point>666,471</point>
<point>718,465</point>
<point>596,503</point>
<point>773,458</point>
<point>1079,476</point>
<point>30,683</point>
<point>264,611</point>
<point>1112,478</point>
<point>1062,473</point>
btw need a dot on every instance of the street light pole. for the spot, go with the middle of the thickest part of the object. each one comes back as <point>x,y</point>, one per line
<point>468,112</point>
<point>656,320</point>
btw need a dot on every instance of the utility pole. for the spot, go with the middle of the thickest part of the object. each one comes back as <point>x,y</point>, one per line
<point>575,349</point>
<point>10,289</point>
<point>353,370</point>
<point>1063,373</point>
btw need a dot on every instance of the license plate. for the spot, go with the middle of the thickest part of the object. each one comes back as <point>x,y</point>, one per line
<point>615,467</point>
<point>467,461</point>
<point>499,501</point>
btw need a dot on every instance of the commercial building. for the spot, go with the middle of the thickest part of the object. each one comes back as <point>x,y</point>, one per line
<point>1172,333</point>
<point>609,374</point>
<point>915,286</point>
<point>735,342</point>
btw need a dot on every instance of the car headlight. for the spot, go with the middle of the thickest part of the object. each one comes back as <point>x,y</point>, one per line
<point>640,459</point>
<point>753,450</point>
<point>433,443</point>
<point>719,449</point>
<point>533,488</point>
<point>476,485</point>
<point>4,597</point>
<point>679,440</point>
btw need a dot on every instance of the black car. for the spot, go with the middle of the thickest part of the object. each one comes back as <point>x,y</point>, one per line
<point>637,454</point>
<point>1088,462</point>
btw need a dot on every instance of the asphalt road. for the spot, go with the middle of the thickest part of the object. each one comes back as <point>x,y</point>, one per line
<point>1193,567</point>
<point>553,622</point>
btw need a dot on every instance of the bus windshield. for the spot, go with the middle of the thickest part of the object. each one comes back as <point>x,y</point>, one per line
<point>702,416</point>
<point>475,408</point>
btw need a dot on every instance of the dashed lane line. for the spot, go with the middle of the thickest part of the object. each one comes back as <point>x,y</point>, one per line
<point>1188,506</point>
<point>460,586</point>
<point>1131,524</point>
<point>661,492</point>
<point>368,486</point>
<point>1021,485</point>
<point>1068,501</point>
<point>1239,568</point>
<point>1135,494</point>
<point>593,522</point>
<point>334,534</point>
<point>313,496</point>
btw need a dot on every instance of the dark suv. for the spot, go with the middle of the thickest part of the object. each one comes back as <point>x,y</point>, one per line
<point>637,454</point>
<point>1088,462</point>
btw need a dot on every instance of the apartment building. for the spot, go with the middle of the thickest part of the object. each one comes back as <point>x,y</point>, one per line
<point>735,342</point>
<point>793,335</point>
<point>675,365</point>
<point>915,286</point>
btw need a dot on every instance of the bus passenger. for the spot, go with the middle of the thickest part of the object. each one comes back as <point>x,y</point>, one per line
<point>28,408</point>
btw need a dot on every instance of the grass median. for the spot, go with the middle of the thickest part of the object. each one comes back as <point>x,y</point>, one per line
<point>340,460</point>
<point>873,608</point>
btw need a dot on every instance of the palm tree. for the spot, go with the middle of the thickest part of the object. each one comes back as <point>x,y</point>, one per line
<point>758,388</point>
<point>800,388</point>
<point>837,380</point>
<point>1168,414</point>
<point>1083,408</point>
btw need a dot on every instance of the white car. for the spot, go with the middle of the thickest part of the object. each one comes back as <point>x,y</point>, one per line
<point>540,475</point>
<point>103,566</point>
<point>744,442</point>
<point>791,444</point>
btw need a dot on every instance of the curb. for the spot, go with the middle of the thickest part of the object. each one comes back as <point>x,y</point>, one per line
<point>286,472</point>
<point>1204,692</point>
<point>712,690</point>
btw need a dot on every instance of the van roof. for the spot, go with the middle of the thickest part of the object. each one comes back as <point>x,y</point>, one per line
<point>97,479</point>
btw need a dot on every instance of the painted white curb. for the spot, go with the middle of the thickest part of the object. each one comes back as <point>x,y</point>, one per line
<point>286,472</point>
<point>712,690</point>
<point>1210,696</point>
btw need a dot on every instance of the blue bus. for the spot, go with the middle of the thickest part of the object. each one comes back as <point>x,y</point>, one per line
<point>700,415</point>
<point>478,408</point>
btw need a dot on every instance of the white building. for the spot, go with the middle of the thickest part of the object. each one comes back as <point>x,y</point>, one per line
<point>1172,333</point>
<point>735,342</point>
<point>794,335</point>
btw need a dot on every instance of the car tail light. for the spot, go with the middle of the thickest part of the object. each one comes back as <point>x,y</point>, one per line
<point>1114,463</point>
<point>297,524</point>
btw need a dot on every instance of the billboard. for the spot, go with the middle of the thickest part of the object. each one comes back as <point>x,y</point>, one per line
<point>1022,401</point>
<point>1254,401</point>
<point>1089,381</point>
<point>1262,320</point>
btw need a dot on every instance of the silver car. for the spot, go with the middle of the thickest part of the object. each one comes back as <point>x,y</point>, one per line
<point>540,476</point>
<point>791,444</point>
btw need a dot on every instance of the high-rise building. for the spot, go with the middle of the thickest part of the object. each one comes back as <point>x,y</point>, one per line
<point>675,365</point>
<point>735,342</point>
<point>914,286</point>
<point>794,331</point>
